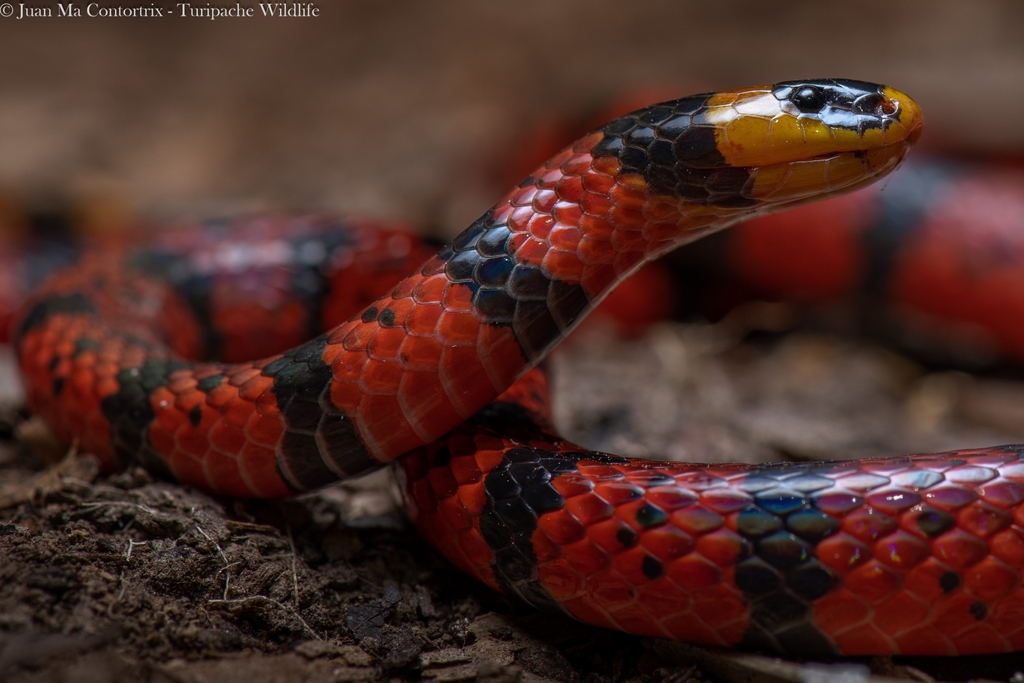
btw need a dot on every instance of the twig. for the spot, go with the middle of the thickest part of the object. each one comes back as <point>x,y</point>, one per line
<point>110,503</point>
<point>227,565</point>
<point>295,578</point>
<point>227,577</point>
<point>295,575</point>
<point>131,545</point>
<point>215,543</point>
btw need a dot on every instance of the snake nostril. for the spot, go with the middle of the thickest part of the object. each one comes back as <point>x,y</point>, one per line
<point>875,104</point>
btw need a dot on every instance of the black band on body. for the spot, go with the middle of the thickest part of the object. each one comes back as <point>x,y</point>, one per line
<point>54,305</point>
<point>781,576</point>
<point>130,414</point>
<point>519,491</point>
<point>315,431</point>
<point>902,209</point>
<point>537,307</point>
<point>313,250</point>
<point>675,149</point>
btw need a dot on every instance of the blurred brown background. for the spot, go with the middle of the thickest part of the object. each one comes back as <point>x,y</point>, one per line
<point>395,107</point>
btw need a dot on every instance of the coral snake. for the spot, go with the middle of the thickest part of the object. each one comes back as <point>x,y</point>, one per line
<point>916,554</point>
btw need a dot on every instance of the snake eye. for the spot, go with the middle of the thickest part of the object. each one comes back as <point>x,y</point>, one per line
<point>808,100</point>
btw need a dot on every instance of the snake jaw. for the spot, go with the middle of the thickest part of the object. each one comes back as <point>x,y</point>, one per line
<point>785,185</point>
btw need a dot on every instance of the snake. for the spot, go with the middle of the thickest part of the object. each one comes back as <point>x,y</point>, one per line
<point>439,375</point>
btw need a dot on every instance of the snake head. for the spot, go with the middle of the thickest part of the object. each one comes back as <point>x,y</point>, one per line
<point>756,150</point>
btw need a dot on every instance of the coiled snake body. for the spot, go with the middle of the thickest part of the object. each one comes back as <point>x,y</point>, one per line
<point>919,554</point>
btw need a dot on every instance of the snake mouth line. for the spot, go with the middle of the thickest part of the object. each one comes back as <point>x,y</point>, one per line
<point>823,175</point>
<point>896,150</point>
